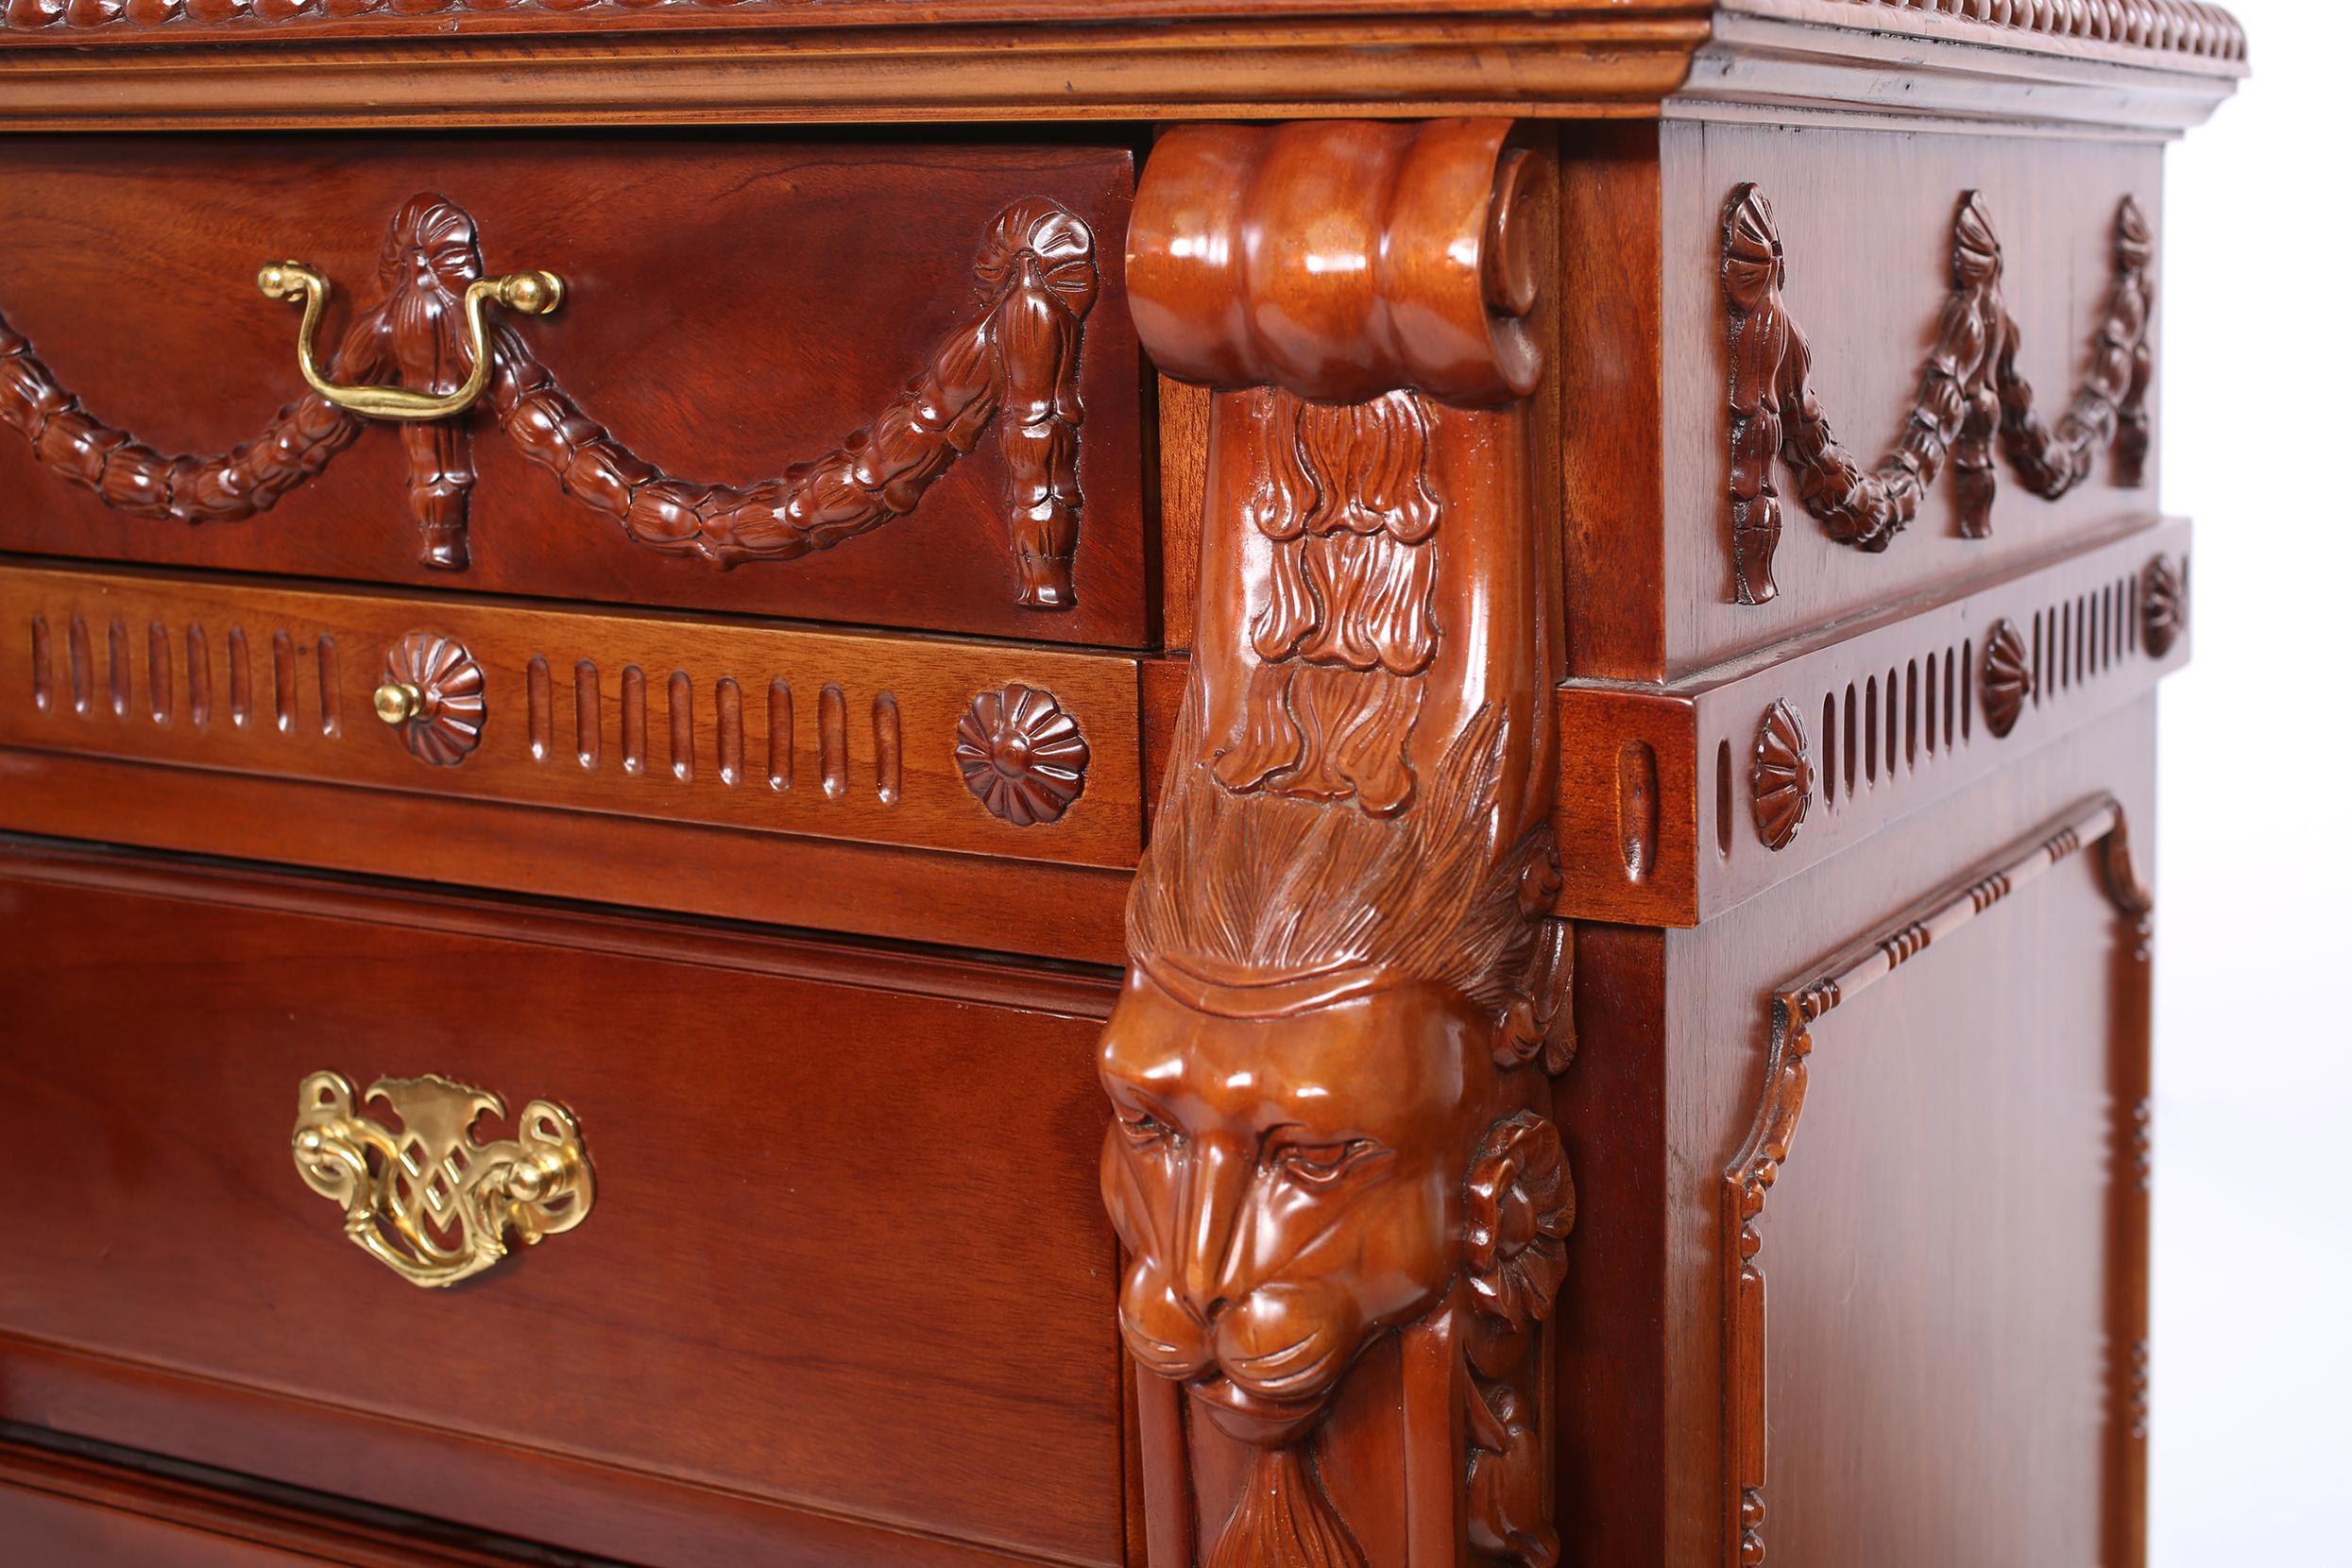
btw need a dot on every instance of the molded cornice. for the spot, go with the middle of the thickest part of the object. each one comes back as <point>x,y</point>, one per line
<point>2143,66</point>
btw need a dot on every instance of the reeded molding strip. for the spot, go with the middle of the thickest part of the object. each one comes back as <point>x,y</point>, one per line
<point>855,734</point>
<point>1896,712</point>
<point>1796,1008</point>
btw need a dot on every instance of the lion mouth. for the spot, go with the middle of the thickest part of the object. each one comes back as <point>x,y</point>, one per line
<point>1254,1418</point>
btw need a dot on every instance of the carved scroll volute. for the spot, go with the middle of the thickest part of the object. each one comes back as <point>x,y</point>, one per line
<point>1343,1200</point>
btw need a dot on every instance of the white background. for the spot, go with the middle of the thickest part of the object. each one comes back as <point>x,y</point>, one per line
<point>2251,1448</point>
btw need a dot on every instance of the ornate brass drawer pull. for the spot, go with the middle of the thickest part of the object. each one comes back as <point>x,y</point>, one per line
<point>532,293</point>
<point>426,1200</point>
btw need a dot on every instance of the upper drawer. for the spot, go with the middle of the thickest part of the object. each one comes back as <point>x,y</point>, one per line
<point>883,383</point>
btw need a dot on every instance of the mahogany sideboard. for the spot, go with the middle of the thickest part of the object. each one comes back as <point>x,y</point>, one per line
<point>1173,783</point>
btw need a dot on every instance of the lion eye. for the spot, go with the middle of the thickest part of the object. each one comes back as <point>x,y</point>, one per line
<point>1146,1130</point>
<point>1320,1164</point>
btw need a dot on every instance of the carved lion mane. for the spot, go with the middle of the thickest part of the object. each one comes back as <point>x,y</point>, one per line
<point>1259,889</point>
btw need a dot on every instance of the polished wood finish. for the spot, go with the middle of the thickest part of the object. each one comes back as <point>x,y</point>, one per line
<point>1343,1203</point>
<point>782,730</point>
<point>818,304</point>
<point>703,1238</point>
<point>1256,494</point>
<point>1039,909</point>
<point>2166,67</point>
<point>1753,1172</point>
<point>1892,714</point>
<point>1971,395</point>
<point>76,1502</point>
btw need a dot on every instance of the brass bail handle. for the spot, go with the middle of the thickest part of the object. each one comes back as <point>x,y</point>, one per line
<point>532,293</point>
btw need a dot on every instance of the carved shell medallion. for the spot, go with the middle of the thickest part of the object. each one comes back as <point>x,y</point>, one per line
<point>447,724</point>
<point>2007,679</point>
<point>1781,780</point>
<point>2163,605</point>
<point>1021,755</point>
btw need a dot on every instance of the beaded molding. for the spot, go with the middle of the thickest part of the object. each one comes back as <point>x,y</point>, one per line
<point>2173,27</point>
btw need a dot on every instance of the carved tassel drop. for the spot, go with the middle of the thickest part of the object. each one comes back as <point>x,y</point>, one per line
<point>1284,1521</point>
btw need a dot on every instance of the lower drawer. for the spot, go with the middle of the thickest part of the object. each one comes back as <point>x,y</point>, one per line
<point>71,1510</point>
<point>844,1280</point>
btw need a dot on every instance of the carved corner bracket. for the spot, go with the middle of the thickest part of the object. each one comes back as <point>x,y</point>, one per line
<point>1011,365</point>
<point>1749,1180</point>
<point>1340,928</point>
<point>1970,393</point>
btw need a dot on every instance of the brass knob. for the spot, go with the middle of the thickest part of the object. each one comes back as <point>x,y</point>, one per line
<point>431,693</point>
<point>396,702</point>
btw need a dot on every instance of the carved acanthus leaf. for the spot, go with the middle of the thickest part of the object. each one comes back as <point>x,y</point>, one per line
<point>1351,872</point>
<point>1284,1521</point>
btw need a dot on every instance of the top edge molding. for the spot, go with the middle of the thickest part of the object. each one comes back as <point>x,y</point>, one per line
<point>2099,67</point>
<point>2190,29</point>
<point>194,21</point>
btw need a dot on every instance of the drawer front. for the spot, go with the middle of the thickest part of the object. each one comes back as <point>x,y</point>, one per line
<point>999,749</point>
<point>888,383</point>
<point>844,1253</point>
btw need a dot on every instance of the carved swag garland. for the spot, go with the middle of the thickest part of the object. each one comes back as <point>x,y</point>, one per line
<point>1970,393</point>
<point>1014,364</point>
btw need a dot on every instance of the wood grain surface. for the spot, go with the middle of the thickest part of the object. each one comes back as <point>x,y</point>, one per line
<point>1945,1324</point>
<point>733,307</point>
<point>765,1118</point>
<point>783,731</point>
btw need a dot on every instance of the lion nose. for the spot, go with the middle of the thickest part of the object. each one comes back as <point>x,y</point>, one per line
<point>1216,1185</point>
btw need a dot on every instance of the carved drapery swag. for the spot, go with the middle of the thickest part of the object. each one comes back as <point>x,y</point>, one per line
<point>1332,1160</point>
<point>1011,363</point>
<point>1970,393</point>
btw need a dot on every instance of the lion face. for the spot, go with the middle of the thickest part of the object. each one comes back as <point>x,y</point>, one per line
<point>1286,1186</point>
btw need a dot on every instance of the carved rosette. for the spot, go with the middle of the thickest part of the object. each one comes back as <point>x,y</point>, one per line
<point>446,724</point>
<point>1781,782</point>
<point>1520,1206</point>
<point>2005,684</point>
<point>2163,605</point>
<point>1970,396</point>
<point>1342,927</point>
<point>1022,755</point>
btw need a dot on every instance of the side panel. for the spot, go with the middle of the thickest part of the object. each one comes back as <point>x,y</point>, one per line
<point>1952,1254</point>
